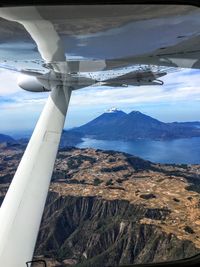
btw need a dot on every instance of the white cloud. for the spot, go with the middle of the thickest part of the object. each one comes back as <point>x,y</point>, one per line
<point>22,108</point>
<point>179,86</point>
<point>8,82</point>
<point>142,94</point>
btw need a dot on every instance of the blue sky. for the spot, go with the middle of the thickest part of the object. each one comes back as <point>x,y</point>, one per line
<point>177,100</point>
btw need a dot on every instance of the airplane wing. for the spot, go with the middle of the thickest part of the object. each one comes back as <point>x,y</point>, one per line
<point>27,71</point>
<point>153,36</point>
<point>185,54</point>
<point>139,77</point>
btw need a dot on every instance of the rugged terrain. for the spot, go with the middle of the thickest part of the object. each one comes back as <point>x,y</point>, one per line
<point>107,208</point>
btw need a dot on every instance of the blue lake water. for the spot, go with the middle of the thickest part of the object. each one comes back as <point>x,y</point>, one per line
<point>174,151</point>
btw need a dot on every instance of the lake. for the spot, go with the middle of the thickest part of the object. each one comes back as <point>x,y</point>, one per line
<point>174,151</point>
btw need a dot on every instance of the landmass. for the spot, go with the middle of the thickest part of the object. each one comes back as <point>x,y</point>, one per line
<point>107,208</point>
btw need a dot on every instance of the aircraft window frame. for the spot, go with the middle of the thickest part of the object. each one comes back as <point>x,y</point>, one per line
<point>194,260</point>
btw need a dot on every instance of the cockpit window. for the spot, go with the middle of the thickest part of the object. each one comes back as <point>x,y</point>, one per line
<point>125,187</point>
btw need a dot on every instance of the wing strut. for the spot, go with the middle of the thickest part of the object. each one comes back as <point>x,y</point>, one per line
<point>22,208</point>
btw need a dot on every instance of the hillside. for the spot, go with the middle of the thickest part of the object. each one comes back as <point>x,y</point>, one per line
<point>107,208</point>
<point>117,125</point>
<point>6,139</point>
<point>69,139</point>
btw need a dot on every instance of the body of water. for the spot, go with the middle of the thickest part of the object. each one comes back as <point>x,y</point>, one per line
<point>186,151</point>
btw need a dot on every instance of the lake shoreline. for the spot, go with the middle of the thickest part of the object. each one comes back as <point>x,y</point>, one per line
<point>176,151</point>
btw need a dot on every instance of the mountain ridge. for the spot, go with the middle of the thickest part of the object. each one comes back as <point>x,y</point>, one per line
<point>116,124</point>
<point>6,138</point>
<point>119,125</point>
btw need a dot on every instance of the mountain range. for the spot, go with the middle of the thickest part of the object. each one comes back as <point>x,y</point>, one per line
<point>118,125</point>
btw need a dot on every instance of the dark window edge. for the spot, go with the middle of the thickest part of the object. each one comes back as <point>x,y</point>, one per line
<point>9,3</point>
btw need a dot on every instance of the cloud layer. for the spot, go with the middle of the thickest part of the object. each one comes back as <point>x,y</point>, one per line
<point>180,89</point>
